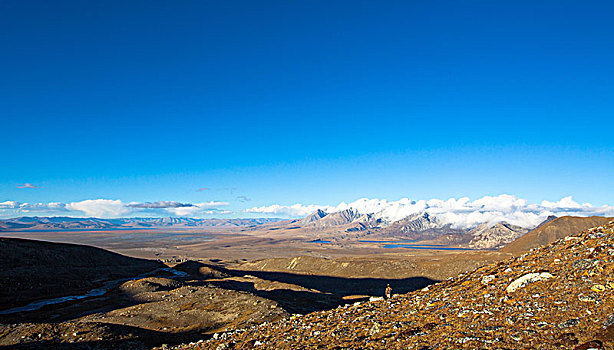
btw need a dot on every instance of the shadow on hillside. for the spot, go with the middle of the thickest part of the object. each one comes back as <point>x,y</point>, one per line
<point>30,269</point>
<point>324,292</point>
<point>68,310</point>
<point>112,334</point>
<point>314,293</point>
<point>342,286</point>
<point>292,301</point>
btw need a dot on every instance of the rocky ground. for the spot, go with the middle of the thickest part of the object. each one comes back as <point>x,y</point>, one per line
<point>557,296</point>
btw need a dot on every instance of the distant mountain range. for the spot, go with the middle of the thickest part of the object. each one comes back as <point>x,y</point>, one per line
<point>419,226</point>
<point>344,224</point>
<point>424,226</point>
<point>69,223</point>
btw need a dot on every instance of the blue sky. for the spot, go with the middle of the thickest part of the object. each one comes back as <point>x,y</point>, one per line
<point>311,102</point>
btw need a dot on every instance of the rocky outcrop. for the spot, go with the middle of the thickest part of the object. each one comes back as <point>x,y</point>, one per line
<point>557,296</point>
<point>339,218</point>
<point>312,218</point>
<point>348,220</point>
<point>487,236</point>
<point>424,226</point>
<point>418,223</point>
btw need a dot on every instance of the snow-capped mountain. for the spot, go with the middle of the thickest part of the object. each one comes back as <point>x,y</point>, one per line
<point>460,213</point>
<point>419,226</point>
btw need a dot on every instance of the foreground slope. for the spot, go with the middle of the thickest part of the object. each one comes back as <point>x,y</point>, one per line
<point>552,230</point>
<point>560,295</point>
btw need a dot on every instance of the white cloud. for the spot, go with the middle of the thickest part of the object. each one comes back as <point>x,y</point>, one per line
<point>41,207</point>
<point>460,212</point>
<point>33,207</point>
<point>295,210</point>
<point>107,208</point>
<point>100,208</point>
<point>198,209</point>
<point>9,205</point>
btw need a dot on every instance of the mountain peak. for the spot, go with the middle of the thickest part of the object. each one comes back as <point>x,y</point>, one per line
<point>489,236</point>
<point>313,217</point>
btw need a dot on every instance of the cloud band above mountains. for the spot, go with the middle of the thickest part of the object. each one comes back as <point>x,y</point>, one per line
<point>107,208</point>
<point>461,212</point>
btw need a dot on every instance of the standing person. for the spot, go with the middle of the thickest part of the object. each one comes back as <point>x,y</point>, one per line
<point>388,292</point>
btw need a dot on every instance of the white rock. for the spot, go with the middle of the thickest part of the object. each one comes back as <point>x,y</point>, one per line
<point>526,279</point>
<point>487,279</point>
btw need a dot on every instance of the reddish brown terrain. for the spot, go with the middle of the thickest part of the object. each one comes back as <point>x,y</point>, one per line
<point>553,230</point>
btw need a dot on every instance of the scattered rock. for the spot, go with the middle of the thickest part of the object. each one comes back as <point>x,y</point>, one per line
<point>569,323</point>
<point>487,279</point>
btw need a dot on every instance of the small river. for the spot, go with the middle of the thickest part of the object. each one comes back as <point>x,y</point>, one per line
<point>96,292</point>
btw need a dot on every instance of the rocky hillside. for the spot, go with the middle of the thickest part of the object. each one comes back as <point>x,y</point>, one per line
<point>553,229</point>
<point>422,226</point>
<point>557,296</point>
<point>322,220</point>
<point>313,217</point>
